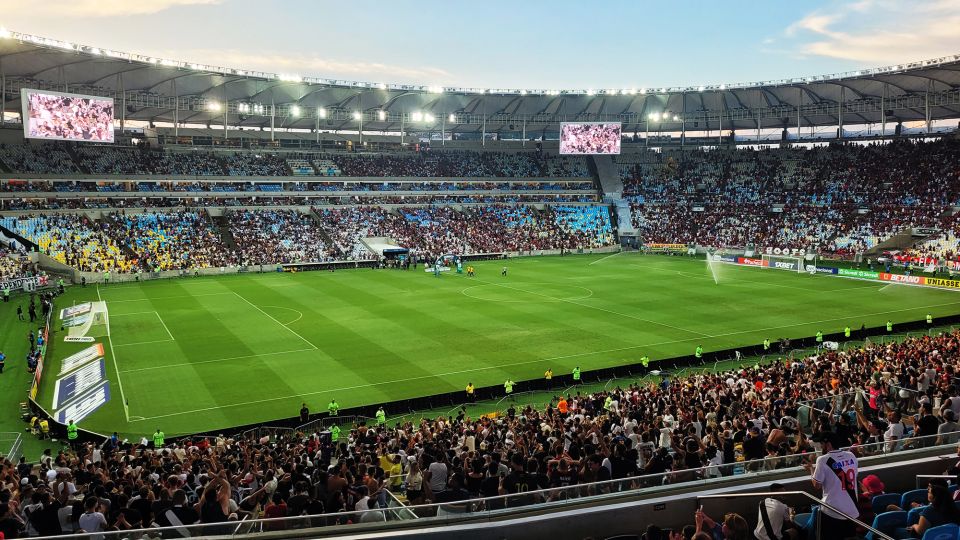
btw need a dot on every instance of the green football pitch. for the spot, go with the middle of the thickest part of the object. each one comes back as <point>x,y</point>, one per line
<point>199,354</point>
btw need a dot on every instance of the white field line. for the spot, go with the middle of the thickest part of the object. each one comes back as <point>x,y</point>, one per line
<point>164,326</point>
<point>169,297</point>
<point>145,343</point>
<point>603,258</point>
<point>116,366</point>
<point>501,366</point>
<point>297,311</point>
<point>134,313</point>
<point>305,340</point>
<point>182,364</point>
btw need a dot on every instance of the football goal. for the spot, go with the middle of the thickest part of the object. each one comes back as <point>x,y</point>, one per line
<point>86,326</point>
<point>790,263</point>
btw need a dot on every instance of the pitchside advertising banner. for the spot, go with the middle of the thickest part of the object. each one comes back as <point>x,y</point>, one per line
<point>747,261</point>
<point>81,407</point>
<point>78,382</point>
<point>76,360</point>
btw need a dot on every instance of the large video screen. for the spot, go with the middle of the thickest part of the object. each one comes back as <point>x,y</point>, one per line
<point>589,138</point>
<point>66,117</point>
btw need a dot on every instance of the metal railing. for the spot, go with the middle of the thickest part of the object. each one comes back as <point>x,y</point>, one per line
<point>877,533</point>
<point>552,498</point>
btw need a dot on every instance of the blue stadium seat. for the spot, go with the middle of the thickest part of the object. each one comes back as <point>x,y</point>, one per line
<point>880,502</point>
<point>913,496</point>
<point>888,522</point>
<point>913,515</point>
<point>950,531</point>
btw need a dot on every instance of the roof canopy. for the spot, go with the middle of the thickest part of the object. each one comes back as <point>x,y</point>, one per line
<point>159,90</point>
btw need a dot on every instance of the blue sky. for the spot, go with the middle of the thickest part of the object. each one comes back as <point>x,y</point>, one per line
<point>510,44</point>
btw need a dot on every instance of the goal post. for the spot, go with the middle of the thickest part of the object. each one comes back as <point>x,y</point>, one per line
<point>86,327</point>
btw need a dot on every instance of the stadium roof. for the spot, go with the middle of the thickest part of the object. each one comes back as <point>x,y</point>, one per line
<point>161,90</point>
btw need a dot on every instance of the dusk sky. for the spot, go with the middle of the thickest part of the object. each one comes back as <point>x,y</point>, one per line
<point>510,44</point>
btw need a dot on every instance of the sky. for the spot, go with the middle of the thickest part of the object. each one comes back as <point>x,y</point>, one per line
<point>534,44</point>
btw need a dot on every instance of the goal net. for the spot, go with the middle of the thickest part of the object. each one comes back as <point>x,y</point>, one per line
<point>784,262</point>
<point>89,324</point>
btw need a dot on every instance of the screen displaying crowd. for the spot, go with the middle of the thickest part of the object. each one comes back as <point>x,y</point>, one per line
<point>68,117</point>
<point>590,138</point>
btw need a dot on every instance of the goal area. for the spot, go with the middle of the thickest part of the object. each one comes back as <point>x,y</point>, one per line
<point>789,263</point>
<point>86,327</point>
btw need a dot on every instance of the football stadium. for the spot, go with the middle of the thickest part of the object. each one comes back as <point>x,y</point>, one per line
<point>239,303</point>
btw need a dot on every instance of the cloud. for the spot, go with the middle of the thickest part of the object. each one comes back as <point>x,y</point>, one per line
<point>96,8</point>
<point>311,65</point>
<point>880,32</point>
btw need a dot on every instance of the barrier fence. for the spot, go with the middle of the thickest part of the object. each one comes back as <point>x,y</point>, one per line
<point>552,498</point>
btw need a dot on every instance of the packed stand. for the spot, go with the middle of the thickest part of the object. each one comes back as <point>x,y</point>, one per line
<point>72,240</point>
<point>169,241</point>
<point>277,236</point>
<point>678,430</point>
<point>838,199</point>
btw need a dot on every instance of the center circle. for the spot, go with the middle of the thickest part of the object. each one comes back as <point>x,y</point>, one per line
<point>527,292</point>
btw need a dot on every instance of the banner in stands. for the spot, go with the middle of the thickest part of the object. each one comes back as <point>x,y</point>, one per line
<point>939,282</point>
<point>73,311</point>
<point>751,262</point>
<point>76,360</point>
<point>24,283</point>
<point>81,407</point>
<point>900,278</point>
<point>78,382</point>
<point>667,247</point>
<point>789,252</point>
<point>865,274</point>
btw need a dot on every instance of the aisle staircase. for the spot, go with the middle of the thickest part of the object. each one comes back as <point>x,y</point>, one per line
<point>612,187</point>
<point>318,220</point>
<point>223,228</point>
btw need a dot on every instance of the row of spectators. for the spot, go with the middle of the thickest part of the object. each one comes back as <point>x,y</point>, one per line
<point>73,186</point>
<point>832,199</point>
<point>875,400</point>
<point>106,202</point>
<point>65,158</point>
<point>185,240</point>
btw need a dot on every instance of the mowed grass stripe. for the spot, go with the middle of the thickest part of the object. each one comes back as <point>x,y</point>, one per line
<point>390,335</point>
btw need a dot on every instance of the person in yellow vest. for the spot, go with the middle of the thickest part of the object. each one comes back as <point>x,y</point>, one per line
<point>72,434</point>
<point>766,344</point>
<point>576,375</point>
<point>158,439</point>
<point>645,361</point>
<point>929,319</point>
<point>333,408</point>
<point>846,331</point>
<point>699,352</point>
<point>819,338</point>
<point>471,393</point>
<point>508,386</point>
<point>889,326</point>
<point>548,376</point>
<point>44,428</point>
<point>381,416</point>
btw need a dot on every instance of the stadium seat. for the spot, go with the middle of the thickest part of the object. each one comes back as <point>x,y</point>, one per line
<point>950,531</point>
<point>887,523</point>
<point>913,515</point>
<point>913,496</point>
<point>880,502</point>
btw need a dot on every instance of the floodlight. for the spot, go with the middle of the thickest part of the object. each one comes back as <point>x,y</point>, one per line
<point>590,92</point>
<point>295,110</point>
<point>4,33</point>
<point>643,90</point>
<point>700,89</point>
<point>321,112</point>
<point>676,118</point>
<point>213,106</point>
<point>452,119</point>
<point>429,118</point>
<point>382,115</point>
<point>417,116</point>
<point>357,115</point>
